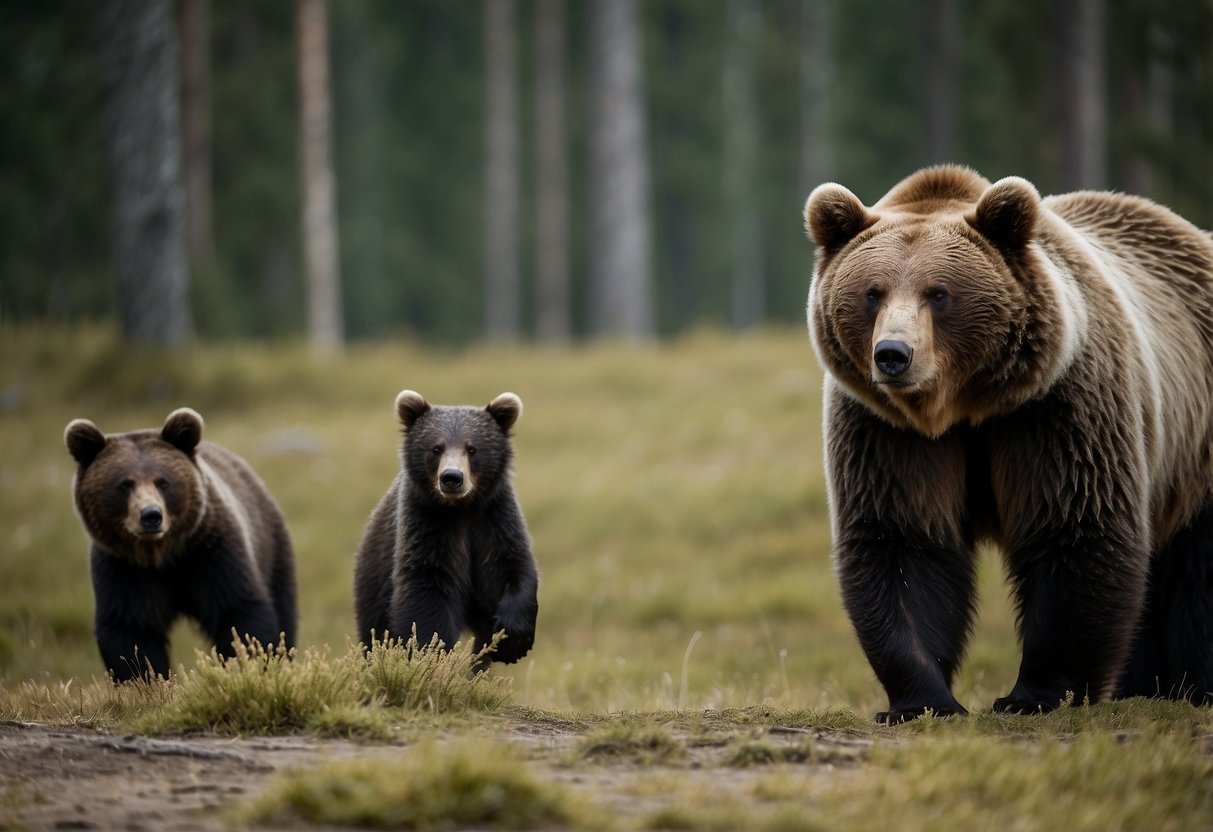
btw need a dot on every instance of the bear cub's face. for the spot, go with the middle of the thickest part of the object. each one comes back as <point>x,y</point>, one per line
<point>456,454</point>
<point>139,494</point>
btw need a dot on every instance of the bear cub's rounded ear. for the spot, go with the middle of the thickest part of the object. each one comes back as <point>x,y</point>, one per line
<point>505,410</point>
<point>1006,213</point>
<point>84,440</point>
<point>410,405</point>
<point>183,429</point>
<point>833,216</point>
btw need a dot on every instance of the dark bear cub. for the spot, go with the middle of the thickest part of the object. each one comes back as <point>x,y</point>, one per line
<point>447,549</point>
<point>178,527</point>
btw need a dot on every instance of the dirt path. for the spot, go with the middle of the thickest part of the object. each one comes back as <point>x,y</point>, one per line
<point>62,778</point>
<point>54,777</point>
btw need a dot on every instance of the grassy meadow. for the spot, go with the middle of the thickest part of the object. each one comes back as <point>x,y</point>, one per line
<point>674,493</point>
<point>675,496</point>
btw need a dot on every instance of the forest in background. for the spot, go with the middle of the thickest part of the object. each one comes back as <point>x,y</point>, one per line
<point>738,107</point>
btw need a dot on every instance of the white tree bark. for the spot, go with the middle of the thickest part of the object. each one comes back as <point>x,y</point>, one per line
<point>151,270</point>
<point>552,302</point>
<point>326,330</point>
<point>621,282</point>
<point>501,204</point>
<point>741,143</point>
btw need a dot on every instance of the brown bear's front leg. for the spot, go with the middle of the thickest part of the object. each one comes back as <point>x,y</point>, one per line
<point>1080,592</point>
<point>903,554</point>
<point>911,603</point>
<point>1075,528</point>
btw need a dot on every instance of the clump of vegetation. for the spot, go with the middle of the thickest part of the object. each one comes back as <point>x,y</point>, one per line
<point>260,691</point>
<point>632,742</point>
<point>95,703</point>
<point>751,752</point>
<point>1095,781</point>
<point>428,787</point>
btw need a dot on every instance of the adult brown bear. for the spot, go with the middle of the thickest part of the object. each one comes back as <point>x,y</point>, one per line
<point>1035,372</point>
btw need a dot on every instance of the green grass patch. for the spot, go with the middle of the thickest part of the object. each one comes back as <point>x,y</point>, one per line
<point>273,692</point>
<point>466,785</point>
<point>1100,781</point>
<point>632,742</point>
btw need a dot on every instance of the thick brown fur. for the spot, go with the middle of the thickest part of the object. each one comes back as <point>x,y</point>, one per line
<point>447,549</point>
<point>178,526</point>
<point>1034,372</point>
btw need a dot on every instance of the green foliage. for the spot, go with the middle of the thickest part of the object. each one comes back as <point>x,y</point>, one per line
<point>263,691</point>
<point>467,785</point>
<point>408,104</point>
<point>638,743</point>
<point>1156,781</point>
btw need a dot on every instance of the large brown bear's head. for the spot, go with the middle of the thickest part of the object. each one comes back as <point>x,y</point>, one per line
<point>457,455</point>
<point>924,306</point>
<point>139,494</point>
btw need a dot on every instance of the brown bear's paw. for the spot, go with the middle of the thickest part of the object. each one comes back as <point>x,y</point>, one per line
<point>896,716</point>
<point>1025,706</point>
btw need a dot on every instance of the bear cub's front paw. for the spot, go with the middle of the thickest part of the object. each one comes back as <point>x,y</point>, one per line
<point>519,638</point>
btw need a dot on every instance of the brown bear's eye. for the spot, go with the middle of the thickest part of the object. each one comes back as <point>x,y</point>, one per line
<point>471,450</point>
<point>162,484</point>
<point>938,296</point>
<point>437,451</point>
<point>127,485</point>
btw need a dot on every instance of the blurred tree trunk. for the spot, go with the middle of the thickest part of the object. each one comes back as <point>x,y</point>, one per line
<point>194,21</point>
<point>1084,135</point>
<point>324,308</point>
<point>941,83</point>
<point>741,141</point>
<point>501,301</point>
<point>621,282</point>
<point>817,158</point>
<point>1147,90</point>
<point>551,176</point>
<point>139,43</point>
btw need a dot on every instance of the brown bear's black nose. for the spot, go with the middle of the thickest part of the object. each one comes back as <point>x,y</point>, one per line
<point>893,357</point>
<point>451,479</point>
<point>151,517</point>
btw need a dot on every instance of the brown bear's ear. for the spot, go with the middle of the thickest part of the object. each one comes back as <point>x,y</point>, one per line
<point>833,216</point>
<point>1006,213</point>
<point>183,429</point>
<point>409,406</point>
<point>84,440</point>
<point>505,410</point>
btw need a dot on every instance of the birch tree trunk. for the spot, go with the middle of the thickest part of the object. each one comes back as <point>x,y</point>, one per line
<point>817,159</point>
<point>741,142</point>
<point>621,282</point>
<point>941,82</point>
<point>502,299</point>
<point>320,256</point>
<point>194,19</point>
<point>151,271</point>
<point>1085,139</point>
<point>552,302</point>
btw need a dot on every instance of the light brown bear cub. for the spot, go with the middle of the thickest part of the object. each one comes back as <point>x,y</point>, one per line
<point>178,526</point>
<point>1034,372</point>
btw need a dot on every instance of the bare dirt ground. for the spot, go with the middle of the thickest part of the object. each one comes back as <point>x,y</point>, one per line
<point>55,777</point>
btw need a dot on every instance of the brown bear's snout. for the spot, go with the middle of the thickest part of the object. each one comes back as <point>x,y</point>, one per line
<point>451,480</point>
<point>151,518</point>
<point>893,357</point>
